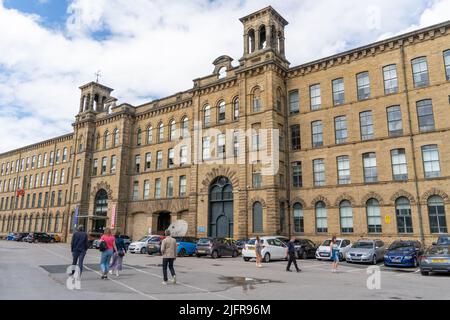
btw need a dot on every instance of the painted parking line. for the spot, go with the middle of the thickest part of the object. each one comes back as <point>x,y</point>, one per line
<point>115,281</point>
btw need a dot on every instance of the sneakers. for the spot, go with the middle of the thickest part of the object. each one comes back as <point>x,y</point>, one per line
<point>117,273</point>
<point>299,270</point>
<point>110,271</point>
<point>288,270</point>
<point>164,283</point>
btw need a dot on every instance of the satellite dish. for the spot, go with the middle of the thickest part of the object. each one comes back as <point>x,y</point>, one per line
<point>179,228</point>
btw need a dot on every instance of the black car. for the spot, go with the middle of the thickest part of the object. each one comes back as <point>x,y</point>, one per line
<point>19,236</point>
<point>304,248</point>
<point>240,243</point>
<point>39,237</point>
<point>216,248</point>
<point>126,240</point>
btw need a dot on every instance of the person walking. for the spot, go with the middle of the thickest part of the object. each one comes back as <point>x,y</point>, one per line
<point>334,249</point>
<point>169,253</point>
<point>110,249</point>
<point>117,261</point>
<point>258,249</point>
<point>291,256</point>
<point>79,247</point>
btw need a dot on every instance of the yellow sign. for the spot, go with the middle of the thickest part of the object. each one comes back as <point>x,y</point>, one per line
<point>387,219</point>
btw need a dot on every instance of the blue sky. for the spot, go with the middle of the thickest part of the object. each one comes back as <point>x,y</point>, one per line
<point>147,49</point>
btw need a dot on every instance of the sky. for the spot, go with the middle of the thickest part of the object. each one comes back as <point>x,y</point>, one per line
<point>148,49</point>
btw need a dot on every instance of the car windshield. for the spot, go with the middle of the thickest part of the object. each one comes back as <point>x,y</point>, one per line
<point>204,241</point>
<point>401,245</point>
<point>439,250</point>
<point>327,243</point>
<point>154,239</point>
<point>363,245</point>
<point>144,239</point>
<point>443,241</point>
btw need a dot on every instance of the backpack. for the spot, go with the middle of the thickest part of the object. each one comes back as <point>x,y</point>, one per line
<point>102,246</point>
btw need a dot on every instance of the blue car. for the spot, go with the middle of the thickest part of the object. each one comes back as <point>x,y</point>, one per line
<point>10,236</point>
<point>186,246</point>
<point>403,253</point>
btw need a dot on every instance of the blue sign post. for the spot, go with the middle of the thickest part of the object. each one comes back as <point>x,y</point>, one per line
<point>75,218</point>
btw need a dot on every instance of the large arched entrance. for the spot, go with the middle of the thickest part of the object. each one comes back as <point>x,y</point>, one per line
<point>220,217</point>
<point>100,212</point>
<point>163,222</point>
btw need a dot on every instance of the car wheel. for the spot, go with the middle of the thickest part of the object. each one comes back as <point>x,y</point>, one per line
<point>374,261</point>
<point>425,273</point>
<point>215,254</point>
<point>198,255</point>
<point>234,254</point>
<point>267,258</point>
<point>52,241</point>
<point>304,255</point>
<point>341,257</point>
<point>182,253</point>
<point>246,259</point>
<point>144,250</point>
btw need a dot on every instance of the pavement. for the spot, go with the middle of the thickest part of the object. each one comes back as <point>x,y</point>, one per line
<point>38,272</point>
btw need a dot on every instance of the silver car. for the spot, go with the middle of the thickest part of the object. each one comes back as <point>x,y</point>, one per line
<point>366,251</point>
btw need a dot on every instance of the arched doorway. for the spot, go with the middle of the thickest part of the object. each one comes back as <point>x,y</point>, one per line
<point>220,217</point>
<point>163,222</point>
<point>100,212</point>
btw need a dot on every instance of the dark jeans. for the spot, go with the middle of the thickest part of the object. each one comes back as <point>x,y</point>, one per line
<point>78,256</point>
<point>292,259</point>
<point>168,262</point>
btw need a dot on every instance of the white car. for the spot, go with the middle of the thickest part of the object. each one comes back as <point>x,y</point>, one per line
<point>272,249</point>
<point>324,252</point>
<point>139,246</point>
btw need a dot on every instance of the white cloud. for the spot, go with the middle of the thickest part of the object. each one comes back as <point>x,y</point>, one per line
<point>155,48</point>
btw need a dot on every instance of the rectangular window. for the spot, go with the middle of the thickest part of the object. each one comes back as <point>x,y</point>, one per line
<point>55,177</point>
<point>183,155</point>
<point>343,167</point>
<point>425,115</point>
<point>58,156</point>
<point>182,187</point>
<point>39,161</point>
<point>338,91</point>
<point>46,200</point>
<point>137,163</point>
<point>113,164</point>
<point>317,134</point>
<point>399,166</point>
<point>236,143</point>
<point>431,165</point>
<point>222,111</point>
<point>158,188</point>
<point>49,178</point>
<point>27,166</point>
<point>27,203</point>
<point>171,158</point>
<point>169,191</point>
<point>316,100</point>
<point>78,168</point>
<point>206,150</point>
<point>363,83</point>
<point>94,167</point>
<point>295,137</point>
<point>159,160</point>
<point>221,146</point>
<point>33,200</point>
<point>39,204</point>
<point>51,158</point>
<point>340,128</point>
<point>33,162</point>
<point>63,173</point>
<point>390,79</point>
<point>256,180</point>
<point>45,159</point>
<point>104,163</point>
<point>64,157</point>
<point>255,139</point>
<point>59,201</point>
<point>136,190</point>
<point>42,179</point>
<point>319,172</point>
<point>447,64</point>
<point>394,117</point>
<point>297,178</point>
<point>420,72</point>
<point>146,189</point>
<point>366,123</point>
<point>148,161</point>
<point>294,102</point>
<point>370,167</point>
<point>75,193</point>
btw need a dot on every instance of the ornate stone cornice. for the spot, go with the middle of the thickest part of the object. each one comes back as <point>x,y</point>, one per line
<point>220,171</point>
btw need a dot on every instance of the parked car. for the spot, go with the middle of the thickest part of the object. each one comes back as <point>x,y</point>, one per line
<point>186,246</point>
<point>126,241</point>
<point>39,237</point>
<point>323,252</point>
<point>56,237</point>
<point>305,248</point>
<point>140,246</point>
<point>443,241</point>
<point>216,248</point>
<point>19,236</point>
<point>272,249</point>
<point>154,244</point>
<point>435,259</point>
<point>10,236</point>
<point>369,251</point>
<point>403,253</point>
<point>240,243</point>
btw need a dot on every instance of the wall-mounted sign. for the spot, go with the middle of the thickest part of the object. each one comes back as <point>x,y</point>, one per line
<point>201,229</point>
<point>387,219</point>
<point>75,218</point>
<point>113,217</point>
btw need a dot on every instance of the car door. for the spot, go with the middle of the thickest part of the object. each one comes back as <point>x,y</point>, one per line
<point>379,245</point>
<point>280,249</point>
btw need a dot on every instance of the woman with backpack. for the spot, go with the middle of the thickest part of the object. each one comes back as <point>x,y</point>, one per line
<point>108,249</point>
<point>116,264</point>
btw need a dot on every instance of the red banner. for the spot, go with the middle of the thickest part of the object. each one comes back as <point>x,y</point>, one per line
<point>113,217</point>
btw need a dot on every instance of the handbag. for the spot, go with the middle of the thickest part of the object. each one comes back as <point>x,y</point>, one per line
<point>121,253</point>
<point>102,246</point>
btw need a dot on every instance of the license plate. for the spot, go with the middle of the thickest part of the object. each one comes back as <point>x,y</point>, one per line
<point>439,260</point>
<point>251,248</point>
<point>324,254</point>
<point>201,251</point>
<point>151,247</point>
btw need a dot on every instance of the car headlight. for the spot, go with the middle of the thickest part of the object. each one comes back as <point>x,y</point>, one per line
<point>408,257</point>
<point>386,256</point>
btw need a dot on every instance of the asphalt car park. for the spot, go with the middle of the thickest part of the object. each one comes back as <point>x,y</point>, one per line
<point>38,271</point>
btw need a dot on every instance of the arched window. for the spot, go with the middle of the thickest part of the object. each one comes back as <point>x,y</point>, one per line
<point>30,221</point>
<point>373,216</point>
<point>256,100</point>
<point>236,108</point>
<point>139,137</point>
<point>299,225</point>
<point>257,218</point>
<point>25,220</point>
<point>36,223</point>
<point>321,218</point>
<point>262,37</point>
<point>100,211</point>
<point>56,227</point>
<point>403,214</point>
<point>49,222</point>
<point>346,216</point>
<point>222,72</point>
<point>251,41</point>
<point>19,223</point>
<point>221,111</point>
<point>161,132</point>
<point>149,134</point>
<point>436,214</point>
<point>43,223</point>
<point>107,140</point>
<point>97,142</point>
<point>185,127</point>
<point>172,130</point>
<point>207,115</point>
<point>116,137</point>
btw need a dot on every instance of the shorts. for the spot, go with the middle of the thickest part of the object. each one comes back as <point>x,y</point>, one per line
<point>335,256</point>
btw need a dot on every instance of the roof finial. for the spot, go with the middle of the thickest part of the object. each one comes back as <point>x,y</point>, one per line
<point>98,75</point>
